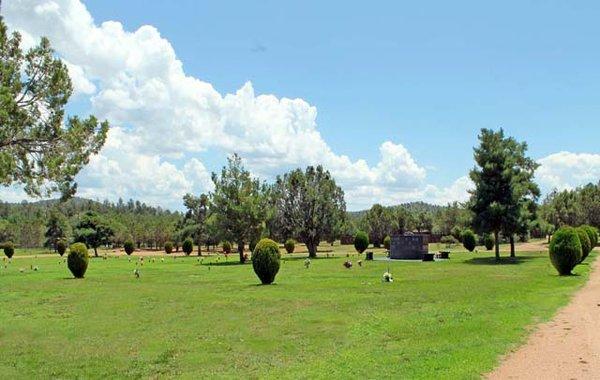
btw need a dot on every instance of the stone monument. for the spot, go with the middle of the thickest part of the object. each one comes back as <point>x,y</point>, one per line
<point>408,247</point>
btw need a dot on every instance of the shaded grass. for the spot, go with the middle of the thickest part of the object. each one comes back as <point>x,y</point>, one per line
<point>184,318</point>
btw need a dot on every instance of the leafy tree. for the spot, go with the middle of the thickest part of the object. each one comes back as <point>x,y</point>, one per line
<point>56,229</point>
<point>195,217</point>
<point>379,222</point>
<point>424,222</point>
<point>239,203</point>
<point>521,211</point>
<point>38,149</point>
<point>563,209</point>
<point>309,204</point>
<point>93,230</point>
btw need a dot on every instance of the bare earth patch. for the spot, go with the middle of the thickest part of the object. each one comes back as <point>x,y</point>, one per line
<point>568,347</point>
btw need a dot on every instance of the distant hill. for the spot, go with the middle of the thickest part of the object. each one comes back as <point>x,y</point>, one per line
<point>415,207</point>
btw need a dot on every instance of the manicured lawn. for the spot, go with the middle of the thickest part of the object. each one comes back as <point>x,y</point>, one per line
<point>183,318</point>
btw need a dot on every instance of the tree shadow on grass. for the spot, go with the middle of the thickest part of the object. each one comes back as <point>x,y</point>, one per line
<point>224,263</point>
<point>302,258</point>
<point>491,260</point>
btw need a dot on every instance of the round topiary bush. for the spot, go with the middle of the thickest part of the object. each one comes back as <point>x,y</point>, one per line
<point>565,250</point>
<point>265,260</point>
<point>61,247</point>
<point>387,243</point>
<point>586,244</point>
<point>78,258</point>
<point>129,247</point>
<point>168,247</point>
<point>488,241</point>
<point>187,246</point>
<point>9,249</point>
<point>592,234</point>
<point>469,240</point>
<point>226,246</point>
<point>290,245</point>
<point>361,241</point>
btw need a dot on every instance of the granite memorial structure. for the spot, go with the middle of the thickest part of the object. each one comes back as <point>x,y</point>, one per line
<point>408,247</point>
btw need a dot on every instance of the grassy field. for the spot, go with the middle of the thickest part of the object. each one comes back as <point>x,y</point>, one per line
<point>190,318</point>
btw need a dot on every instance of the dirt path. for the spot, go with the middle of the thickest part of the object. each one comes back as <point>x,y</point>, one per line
<point>567,347</point>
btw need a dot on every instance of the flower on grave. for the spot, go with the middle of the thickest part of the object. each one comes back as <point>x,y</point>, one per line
<point>307,263</point>
<point>360,263</point>
<point>348,264</point>
<point>162,259</point>
<point>387,277</point>
<point>136,273</point>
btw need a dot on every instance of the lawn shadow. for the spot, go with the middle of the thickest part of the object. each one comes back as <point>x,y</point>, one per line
<point>224,263</point>
<point>491,260</point>
<point>302,258</point>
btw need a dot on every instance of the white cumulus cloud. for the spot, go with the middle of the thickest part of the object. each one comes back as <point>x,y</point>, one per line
<point>161,115</point>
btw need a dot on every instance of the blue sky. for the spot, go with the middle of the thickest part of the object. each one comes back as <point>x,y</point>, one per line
<point>425,75</point>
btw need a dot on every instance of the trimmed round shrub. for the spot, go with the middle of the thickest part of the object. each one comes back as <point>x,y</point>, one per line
<point>469,240</point>
<point>565,250</point>
<point>9,249</point>
<point>265,260</point>
<point>592,234</point>
<point>61,247</point>
<point>361,241</point>
<point>488,241</point>
<point>586,244</point>
<point>387,243</point>
<point>129,247</point>
<point>226,246</point>
<point>290,245</point>
<point>187,246</point>
<point>168,247</point>
<point>78,259</point>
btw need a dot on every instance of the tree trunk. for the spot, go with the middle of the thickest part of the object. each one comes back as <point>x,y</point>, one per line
<point>199,249</point>
<point>512,246</point>
<point>312,249</point>
<point>497,241</point>
<point>241,251</point>
<point>96,251</point>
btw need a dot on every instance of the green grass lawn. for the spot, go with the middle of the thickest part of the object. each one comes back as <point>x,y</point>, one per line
<point>184,318</point>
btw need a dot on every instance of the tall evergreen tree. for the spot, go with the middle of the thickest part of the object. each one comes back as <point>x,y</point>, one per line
<point>504,191</point>
<point>38,149</point>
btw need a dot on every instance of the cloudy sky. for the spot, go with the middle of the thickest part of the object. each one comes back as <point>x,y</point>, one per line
<point>388,97</point>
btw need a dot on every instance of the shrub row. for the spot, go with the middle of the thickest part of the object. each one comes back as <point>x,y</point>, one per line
<point>570,246</point>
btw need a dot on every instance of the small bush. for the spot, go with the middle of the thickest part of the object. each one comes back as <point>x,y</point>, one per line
<point>586,244</point>
<point>61,247</point>
<point>129,247</point>
<point>290,245</point>
<point>187,246</point>
<point>226,246</point>
<point>265,260</point>
<point>9,249</point>
<point>361,241</point>
<point>592,234</point>
<point>488,241</point>
<point>168,248</point>
<point>565,250</point>
<point>78,258</point>
<point>387,243</point>
<point>469,240</point>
